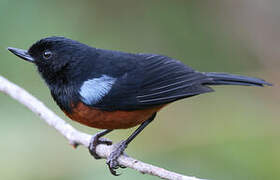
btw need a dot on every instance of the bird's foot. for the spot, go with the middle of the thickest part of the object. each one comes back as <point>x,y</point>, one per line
<point>94,142</point>
<point>112,160</point>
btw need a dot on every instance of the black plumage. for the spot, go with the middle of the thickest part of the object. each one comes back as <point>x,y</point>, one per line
<point>142,80</point>
<point>113,90</point>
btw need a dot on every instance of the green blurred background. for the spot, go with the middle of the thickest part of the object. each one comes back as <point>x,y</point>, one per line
<point>230,134</point>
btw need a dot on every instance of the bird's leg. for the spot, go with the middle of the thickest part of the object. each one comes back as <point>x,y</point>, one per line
<point>112,160</point>
<point>96,140</point>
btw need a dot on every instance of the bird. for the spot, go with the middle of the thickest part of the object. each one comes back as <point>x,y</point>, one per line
<point>109,90</point>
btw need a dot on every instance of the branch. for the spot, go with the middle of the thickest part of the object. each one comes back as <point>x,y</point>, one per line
<point>76,137</point>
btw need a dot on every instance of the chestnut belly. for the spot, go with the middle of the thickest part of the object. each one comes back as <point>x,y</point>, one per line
<point>101,119</point>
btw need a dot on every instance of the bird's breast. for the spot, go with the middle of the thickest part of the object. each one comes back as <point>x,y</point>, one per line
<point>101,119</point>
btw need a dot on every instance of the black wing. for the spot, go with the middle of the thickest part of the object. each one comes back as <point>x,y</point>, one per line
<point>167,80</point>
<point>153,80</point>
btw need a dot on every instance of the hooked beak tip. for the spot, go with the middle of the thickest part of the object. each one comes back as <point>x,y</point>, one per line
<point>21,53</point>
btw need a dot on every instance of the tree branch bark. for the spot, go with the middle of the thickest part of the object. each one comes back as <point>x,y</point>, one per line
<point>76,137</point>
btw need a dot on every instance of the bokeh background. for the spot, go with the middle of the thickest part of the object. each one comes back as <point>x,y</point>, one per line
<point>227,135</point>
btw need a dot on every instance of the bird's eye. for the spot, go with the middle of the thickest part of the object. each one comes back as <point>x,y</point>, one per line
<point>47,54</point>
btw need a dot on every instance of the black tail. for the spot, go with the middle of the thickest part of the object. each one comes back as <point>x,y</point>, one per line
<point>231,79</point>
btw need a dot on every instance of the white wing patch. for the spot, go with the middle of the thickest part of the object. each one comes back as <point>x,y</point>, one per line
<point>93,90</point>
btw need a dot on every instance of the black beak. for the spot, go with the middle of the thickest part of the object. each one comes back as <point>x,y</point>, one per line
<point>22,54</point>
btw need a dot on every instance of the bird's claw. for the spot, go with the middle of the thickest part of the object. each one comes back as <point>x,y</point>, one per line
<point>112,160</point>
<point>94,142</point>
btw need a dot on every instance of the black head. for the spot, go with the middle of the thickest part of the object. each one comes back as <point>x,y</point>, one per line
<point>56,57</point>
<point>63,63</point>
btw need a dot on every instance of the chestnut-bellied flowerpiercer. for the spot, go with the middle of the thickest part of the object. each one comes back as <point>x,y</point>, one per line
<point>110,90</point>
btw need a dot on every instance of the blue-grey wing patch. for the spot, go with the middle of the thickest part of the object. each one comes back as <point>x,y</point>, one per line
<point>93,90</point>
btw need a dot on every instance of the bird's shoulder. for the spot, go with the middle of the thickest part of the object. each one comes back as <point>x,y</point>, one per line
<point>136,81</point>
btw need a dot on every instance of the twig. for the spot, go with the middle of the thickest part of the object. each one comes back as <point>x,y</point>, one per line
<point>76,137</point>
